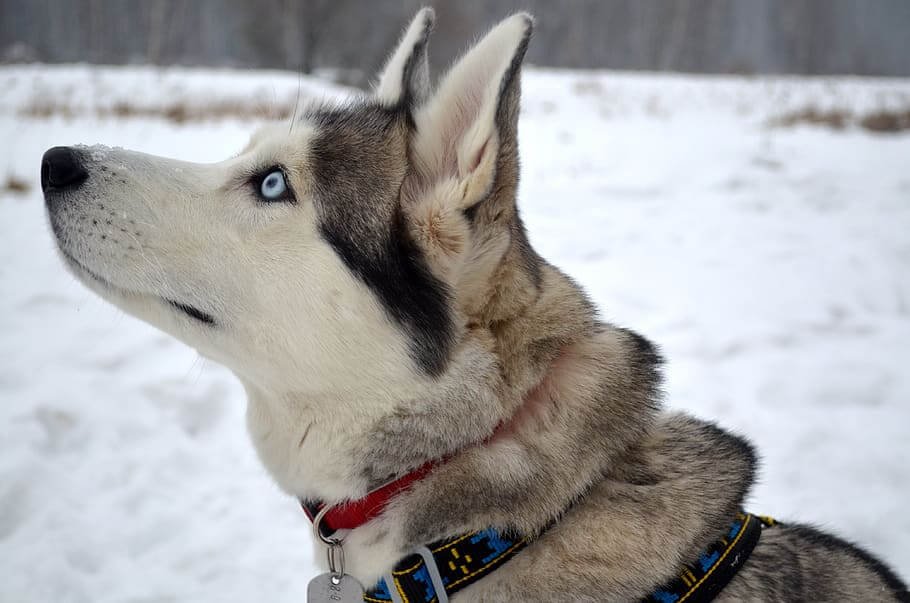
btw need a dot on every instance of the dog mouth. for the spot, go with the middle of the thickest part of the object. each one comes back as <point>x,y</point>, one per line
<point>191,311</point>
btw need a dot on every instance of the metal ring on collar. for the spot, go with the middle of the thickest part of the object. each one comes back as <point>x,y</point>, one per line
<point>331,541</point>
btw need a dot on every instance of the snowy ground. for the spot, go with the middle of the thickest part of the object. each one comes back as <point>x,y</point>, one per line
<point>772,265</point>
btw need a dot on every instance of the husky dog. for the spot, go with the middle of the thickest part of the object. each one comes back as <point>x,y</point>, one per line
<point>366,275</point>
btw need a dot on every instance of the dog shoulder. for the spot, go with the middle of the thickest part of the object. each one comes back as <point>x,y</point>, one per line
<point>794,561</point>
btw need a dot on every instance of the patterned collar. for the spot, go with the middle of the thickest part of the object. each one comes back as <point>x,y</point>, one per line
<point>703,580</point>
<point>433,574</point>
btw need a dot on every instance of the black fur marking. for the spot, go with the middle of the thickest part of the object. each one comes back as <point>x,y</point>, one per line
<point>810,534</point>
<point>193,312</point>
<point>646,362</point>
<point>646,353</point>
<point>408,291</point>
<point>471,213</point>
<point>358,164</point>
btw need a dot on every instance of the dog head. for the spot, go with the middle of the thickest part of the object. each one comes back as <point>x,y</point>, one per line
<point>351,250</point>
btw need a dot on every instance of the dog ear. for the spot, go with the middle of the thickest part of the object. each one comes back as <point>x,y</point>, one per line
<point>405,80</point>
<point>468,130</point>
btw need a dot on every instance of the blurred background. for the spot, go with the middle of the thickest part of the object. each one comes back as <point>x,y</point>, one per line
<point>730,178</point>
<point>859,37</point>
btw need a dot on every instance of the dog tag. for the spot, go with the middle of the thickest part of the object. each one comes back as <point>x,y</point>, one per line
<point>332,588</point>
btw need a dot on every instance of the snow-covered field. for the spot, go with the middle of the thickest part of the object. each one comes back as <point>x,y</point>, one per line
<point>771,264</point>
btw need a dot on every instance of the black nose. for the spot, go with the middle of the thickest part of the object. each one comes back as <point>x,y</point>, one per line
<point>61,168</point>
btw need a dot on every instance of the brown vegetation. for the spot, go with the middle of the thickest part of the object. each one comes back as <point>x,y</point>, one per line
<point>177,112</point>
<point>832,118</point>
<point>880,121</point>
<point>15,185</point>
<point>886,121</point>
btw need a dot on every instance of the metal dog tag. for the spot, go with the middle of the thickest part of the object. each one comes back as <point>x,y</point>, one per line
<point>332,588</point>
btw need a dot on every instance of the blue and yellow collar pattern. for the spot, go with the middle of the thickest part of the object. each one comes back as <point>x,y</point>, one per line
<point>432,574</point>
<point>703,580</point>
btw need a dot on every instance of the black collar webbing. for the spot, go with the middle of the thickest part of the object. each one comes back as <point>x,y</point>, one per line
<point>701,581</point>
<point>447,566</point>
<point>433,573</point>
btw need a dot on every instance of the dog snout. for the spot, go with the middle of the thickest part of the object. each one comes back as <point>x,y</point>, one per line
<point>62,168</point>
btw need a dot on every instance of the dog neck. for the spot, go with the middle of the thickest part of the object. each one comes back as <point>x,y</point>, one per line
<point>355,513</point>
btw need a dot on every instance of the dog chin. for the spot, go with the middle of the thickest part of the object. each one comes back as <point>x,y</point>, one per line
<point>89,277</point>
<point>129,301</point>
<point>126,299</point>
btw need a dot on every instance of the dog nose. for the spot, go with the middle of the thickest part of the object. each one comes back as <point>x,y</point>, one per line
<point>61,168</point>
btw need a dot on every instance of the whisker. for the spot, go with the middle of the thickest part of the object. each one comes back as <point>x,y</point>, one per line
<point>296,103</point>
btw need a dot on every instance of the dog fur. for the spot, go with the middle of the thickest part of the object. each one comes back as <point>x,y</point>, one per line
<point>391,311</point>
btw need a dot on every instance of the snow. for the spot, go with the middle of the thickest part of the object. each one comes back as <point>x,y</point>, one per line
<point>772,265</point>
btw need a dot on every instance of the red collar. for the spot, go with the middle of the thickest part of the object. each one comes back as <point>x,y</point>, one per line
<point>353,514</point>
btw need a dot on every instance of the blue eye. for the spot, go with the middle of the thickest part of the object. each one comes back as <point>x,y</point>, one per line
<point>273,186</point>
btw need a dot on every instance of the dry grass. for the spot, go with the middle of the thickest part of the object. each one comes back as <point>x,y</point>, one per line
<point>16,185</point>
<point>881,121</point>
<point>886,121</point>
<point>836,119</point>
<point>177,112</point>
